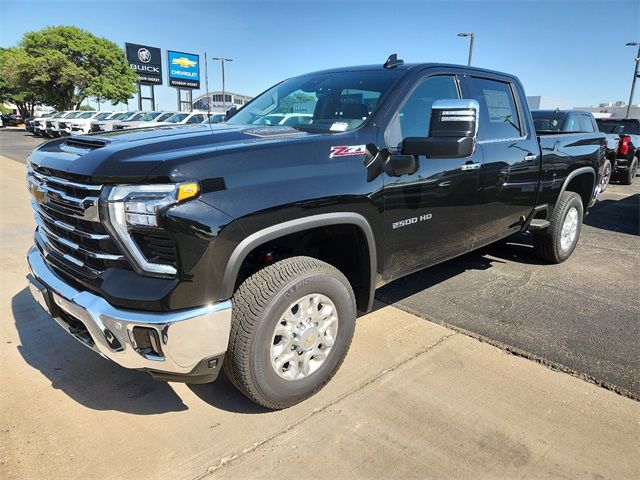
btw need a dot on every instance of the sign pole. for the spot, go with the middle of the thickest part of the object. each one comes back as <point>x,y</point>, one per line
<point>139,96</point>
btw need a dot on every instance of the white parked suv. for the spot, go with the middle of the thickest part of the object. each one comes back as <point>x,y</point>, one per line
<point>80,124</point>
<point>106,124</point>
<point>149,119</point>
<point>40,124</point>
<point>54,128</point>
<point>185,118</point>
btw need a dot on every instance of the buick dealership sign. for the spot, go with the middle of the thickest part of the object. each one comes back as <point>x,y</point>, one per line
<point>147,61</point>
<point>184,69</point>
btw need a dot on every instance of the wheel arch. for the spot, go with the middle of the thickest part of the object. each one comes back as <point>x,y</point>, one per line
<point>581,181</point>
<point>299,225</point>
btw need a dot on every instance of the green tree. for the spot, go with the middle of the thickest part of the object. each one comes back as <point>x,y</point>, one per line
<point>67,64</point>
<point>18,77</point>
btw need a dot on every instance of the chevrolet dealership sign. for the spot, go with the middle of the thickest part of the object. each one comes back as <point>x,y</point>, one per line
<point>146,61</point>
<point>184,69</point>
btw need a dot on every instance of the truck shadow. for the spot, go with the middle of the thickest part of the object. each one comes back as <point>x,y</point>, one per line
<point>82,374</point>
<point>516,248</point>
<point>622,216</point>
<point>223,395</point>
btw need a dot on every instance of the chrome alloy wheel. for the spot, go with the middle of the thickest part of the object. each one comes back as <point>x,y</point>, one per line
<point>606,178</point>
<point>304,337</point>
<point>569,229</point>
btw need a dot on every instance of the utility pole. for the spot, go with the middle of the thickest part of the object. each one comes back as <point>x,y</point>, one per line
<point>471,35</point>
<point>636,72</point>
<point>224,100</point>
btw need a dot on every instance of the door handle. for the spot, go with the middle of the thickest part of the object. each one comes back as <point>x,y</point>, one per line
<point>530,158</point>
<point>470,166</point>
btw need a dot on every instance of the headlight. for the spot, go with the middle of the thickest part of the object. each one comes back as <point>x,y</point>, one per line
<point>138,206</point>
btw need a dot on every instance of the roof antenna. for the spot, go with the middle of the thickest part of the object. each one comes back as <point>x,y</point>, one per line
<point>393,61</point>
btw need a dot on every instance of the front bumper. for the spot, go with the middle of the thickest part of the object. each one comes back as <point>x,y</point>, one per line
<point>185,343</point>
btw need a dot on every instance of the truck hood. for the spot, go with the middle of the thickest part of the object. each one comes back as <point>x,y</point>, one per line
<point>131,155</point>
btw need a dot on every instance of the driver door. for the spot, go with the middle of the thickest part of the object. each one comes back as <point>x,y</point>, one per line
<point>431,214</point>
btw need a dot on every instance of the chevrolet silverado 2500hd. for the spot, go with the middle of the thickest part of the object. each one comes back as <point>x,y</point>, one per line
<point>182,250</point>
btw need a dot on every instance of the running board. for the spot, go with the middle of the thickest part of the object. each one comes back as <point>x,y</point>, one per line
<point>538,224</point>
<point>531,223</point>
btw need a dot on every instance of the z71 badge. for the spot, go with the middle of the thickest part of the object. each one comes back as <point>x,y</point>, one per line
<point>347,150</point>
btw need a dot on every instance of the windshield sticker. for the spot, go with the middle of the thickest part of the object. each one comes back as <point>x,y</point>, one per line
<point>347,150</point>
<point>339,127</point>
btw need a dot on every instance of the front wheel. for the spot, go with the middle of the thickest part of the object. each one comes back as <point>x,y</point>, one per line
<point>558,241</point>
<point>292,326</point>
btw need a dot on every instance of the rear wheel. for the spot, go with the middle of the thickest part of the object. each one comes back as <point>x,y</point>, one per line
<point>629,176</point>
<point>606,176</point>
<point>557,242</point>
<point>292,326</point>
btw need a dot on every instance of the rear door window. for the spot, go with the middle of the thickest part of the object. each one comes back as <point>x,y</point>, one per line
<point>499,118</point>
<point>573,123</point>
<point>585,123</point>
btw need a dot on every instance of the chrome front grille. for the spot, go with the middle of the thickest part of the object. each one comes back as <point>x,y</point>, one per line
<point>69,232</point>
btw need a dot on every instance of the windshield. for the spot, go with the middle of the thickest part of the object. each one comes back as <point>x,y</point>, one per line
<point>177,118</point>
<point>149,116</point>
<point>164,116</point>
<point>74,115</point>
<point>87,115</point>
<point>136,117</point>
<point>58,115</point>
<point>548,121</point>
<point>103,115</point>
<point>217,118</point>
<point>619,126</point>
<point>325,102</point>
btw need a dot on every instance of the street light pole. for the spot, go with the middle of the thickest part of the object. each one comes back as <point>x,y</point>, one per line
<point>206,83</point>
<point>635,75</point>
<point>224,100</point>
<point>471,35</point>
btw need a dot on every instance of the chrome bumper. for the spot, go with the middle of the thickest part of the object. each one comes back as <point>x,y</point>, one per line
<point>187,337</point>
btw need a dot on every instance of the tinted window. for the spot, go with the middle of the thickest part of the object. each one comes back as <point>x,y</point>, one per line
<point>498,113</point>
<point>412,120</point>
<point>544,121</point>
<point>585,123</point>
<point>573,123</point>
<point>619,126</point>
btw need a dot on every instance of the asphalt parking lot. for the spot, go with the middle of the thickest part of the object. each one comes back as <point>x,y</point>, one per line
<point>416,384</point>
<point>16,143</point>
<point>582,316</point>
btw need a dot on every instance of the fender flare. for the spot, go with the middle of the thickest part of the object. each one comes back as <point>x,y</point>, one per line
<point>575,173</point>
<point>298,225</point>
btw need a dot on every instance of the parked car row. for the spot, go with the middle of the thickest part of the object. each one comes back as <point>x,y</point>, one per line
<point>83,122</point>
<point>622,147</point>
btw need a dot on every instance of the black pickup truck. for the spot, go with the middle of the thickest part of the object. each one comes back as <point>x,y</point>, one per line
<point>183,250</point>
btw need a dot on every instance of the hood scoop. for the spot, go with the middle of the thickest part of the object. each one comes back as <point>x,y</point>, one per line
<point>275,131</point>
<point>87,143</point>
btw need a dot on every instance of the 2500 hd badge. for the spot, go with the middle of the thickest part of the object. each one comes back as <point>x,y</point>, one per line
<point>183,250</point>
<point>411,221</point>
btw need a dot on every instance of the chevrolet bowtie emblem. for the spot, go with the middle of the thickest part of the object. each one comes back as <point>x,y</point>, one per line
<point>184,62</point>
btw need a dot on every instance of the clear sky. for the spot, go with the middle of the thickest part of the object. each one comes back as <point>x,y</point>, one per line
<point>571,50</point>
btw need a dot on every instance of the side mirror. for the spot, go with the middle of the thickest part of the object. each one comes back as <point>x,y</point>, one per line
<point>453,131</point>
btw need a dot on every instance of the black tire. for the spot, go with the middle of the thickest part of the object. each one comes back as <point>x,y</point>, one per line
<point>629,176</point>
<point>547,244</point>
<point>259,304</point>
<point>606,176</point>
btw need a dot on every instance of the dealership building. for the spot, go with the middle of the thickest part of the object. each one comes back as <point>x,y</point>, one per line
<point>213,100</point>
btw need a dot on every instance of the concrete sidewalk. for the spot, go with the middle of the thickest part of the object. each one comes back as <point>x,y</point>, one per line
<point>412,400</point>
